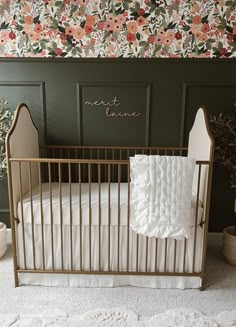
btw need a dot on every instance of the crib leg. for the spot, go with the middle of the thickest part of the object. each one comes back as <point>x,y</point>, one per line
<point>16,278</point>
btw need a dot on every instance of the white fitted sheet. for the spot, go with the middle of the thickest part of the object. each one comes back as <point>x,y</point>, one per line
<point>75,204</point>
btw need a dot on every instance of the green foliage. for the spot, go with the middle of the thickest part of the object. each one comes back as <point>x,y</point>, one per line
<point>6,116</point>
<point>223,128</point>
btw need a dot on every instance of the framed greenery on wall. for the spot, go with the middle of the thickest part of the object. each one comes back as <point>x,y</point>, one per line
<point>6,117</point>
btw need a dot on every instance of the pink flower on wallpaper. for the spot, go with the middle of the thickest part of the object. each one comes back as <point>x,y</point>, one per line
<point>78,33</point>
<point>144,28</point>
<point>132,27</point>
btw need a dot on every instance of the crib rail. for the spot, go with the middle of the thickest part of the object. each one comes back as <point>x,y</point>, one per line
<point>90,242</point>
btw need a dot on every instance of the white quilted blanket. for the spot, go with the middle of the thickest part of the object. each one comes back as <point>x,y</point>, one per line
<point>161,192</point>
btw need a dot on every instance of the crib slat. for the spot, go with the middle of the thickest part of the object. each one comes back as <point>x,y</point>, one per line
<point>118,223</point>
<point>165,259</point>
<point>99,217</point>
<point>156,251</point>
<point>109,214</point>
<point>137,252</point>
<point>41,213</point>
<point>175,248</point>
<point>196,218</point>
<point>61,215</point>
<point>81,219</point>
<point>22,213</point>
<point>51,213</point>
<point>71,218</point>
<point>184,255</point>
<point>90,216</point>
<point>146,258</point>
<point>32,212</point>
<point>128,216</point>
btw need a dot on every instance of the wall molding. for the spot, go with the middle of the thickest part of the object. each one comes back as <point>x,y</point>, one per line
<point>41,85</point>
<point>80,85</point>
<point>185,89</point>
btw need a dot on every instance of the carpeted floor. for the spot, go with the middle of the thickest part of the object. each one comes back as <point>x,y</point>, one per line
<point>219,296</point>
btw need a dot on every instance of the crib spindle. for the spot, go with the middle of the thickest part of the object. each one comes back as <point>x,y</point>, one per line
<point>90,216</point>
<point>51,212</point>
<point>22,213</point>
<point>61,215</point>
<point>137,253</point>
<point>165,257</point>
<point>80,219</point>
<point>156,252</point>
<point>99,217</point>
<point>109,214</point>
<point>118,222</point>
<point>71,216</point>
<point>184,255</point>
<point>175,250</point>
<point>196,217</point>
<point>32,212</point>
<point>146,259</point>
<point>128,215</point>
<point>41,213</point>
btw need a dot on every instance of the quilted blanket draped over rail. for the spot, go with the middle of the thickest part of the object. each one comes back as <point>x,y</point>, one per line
<point>161,192</point>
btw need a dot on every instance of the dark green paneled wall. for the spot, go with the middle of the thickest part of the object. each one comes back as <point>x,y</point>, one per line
<point>164,93</point>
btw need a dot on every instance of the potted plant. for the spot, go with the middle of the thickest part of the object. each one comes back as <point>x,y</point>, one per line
<point>6,116</point>
<point>224,131</point>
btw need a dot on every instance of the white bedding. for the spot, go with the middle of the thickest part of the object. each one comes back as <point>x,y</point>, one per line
<point>75,204</point>
<point>161,191</point>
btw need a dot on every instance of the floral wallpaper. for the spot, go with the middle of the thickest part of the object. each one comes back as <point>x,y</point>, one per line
<point>105,28</point>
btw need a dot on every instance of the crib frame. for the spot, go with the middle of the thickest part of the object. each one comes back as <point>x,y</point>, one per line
<point>59,166</point>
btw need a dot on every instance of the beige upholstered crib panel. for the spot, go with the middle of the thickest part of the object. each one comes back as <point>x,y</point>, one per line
<point>201,147</point>
<point>22,142</point>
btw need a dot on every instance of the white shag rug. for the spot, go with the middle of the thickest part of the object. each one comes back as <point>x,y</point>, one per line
<point>114,317</point>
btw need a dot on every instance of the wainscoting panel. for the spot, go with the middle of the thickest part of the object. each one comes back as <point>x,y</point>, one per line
<point>121,109</point>
<point>69,100</point>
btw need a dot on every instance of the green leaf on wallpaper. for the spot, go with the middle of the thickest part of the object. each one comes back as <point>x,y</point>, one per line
<point>146,15</point>
<point>36,19</point>
<point>171,25</point>
<point>157,47</point>
<point>4,25</point>
<point>54,45</point>
<point>205,19</point>
<point>143,43</point>
<point>125,6</point>
<point>58,3</point>
<point>229,29</point>
<point>43,45</point>
<point>82,24</point>
<point>61,29</point>
<point>137,5</point>
<point>138,36</point>
<point>220,27</point>
<point>117,5</point>
<point>69,39</point>
<point>229,3</point>
<point>162,10</point>
<point>18,27</point>
<point>135,14</point>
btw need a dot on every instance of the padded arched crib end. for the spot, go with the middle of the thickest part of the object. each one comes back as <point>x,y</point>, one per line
<point>201,141</point>
<point>22,129</point>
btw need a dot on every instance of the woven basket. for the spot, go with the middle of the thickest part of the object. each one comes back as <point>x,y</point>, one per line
<point>3,239</point>
<point>230,245</point>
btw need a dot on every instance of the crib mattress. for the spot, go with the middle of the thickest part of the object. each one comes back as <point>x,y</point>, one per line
<point>69,209</point>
